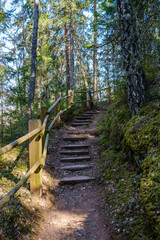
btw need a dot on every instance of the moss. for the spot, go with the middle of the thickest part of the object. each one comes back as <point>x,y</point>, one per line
<point>113,123</point>
<point>150,189</point>
<point>141,134</point>
<point>137,138</point>
<point>122,196</point>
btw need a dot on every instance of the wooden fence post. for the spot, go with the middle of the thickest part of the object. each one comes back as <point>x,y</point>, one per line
<point>57,109</point>
<point>35,153</point>
<point>42,117</point>
<point>70,98</point>
<point>109,94</point>
<point>89,104</point>
<point>91,101</point>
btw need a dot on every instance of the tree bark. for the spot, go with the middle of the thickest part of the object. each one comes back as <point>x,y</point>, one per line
<point>135,77</point>
<point>67,52</point>
<point>67,58</point>
<point>95,84</point>
<point>72,80</point>
<point>2,113</point>
<point>33,58</point>
<point>108,75</point>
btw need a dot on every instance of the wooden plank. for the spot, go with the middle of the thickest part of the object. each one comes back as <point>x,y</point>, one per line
<point>75,159</point>
<point>76,179</point>
<point>74,138</point>
<point>79,124</point>
<point>74,146</point>
<point>75,152</point>
<point>82,121</point>
<point>76,167</point>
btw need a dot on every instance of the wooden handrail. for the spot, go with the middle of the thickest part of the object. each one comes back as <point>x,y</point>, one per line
<point>11,193</point>
<point>20,140</point>
<point>45,121</point>
<point>53,122</point>
<point>53,106</point>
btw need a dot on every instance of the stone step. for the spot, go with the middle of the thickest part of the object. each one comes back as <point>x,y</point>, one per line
<point>76,179</point>
<point>72,139</point>
<point>75,159</point>
<point>76,167</point>
<point>74,146</point>
<point>75,152</point>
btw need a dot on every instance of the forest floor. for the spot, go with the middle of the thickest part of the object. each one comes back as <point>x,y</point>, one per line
<point>74,212</point>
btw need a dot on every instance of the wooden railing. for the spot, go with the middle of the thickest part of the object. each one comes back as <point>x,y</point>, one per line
<point>38,142</point>
<point>38,137</point>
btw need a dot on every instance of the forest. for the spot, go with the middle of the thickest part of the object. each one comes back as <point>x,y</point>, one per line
<point>112,48</point>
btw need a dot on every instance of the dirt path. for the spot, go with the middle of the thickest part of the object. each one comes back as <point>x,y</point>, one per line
<point>76,211</point>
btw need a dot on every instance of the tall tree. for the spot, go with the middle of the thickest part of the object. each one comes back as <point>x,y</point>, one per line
<point>72,48</point>
<point>33,57</point>
<point>95,84</point>
<point>67,48</point>
<point>135,77</point>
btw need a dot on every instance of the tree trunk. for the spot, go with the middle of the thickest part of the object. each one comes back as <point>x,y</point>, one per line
<point>67,54</point>
<point>95,84</point>
<point>72,53</point>
<point>135,77</point>
<point>108,80</point>
<point>33,58</point>
<point>83,71</point>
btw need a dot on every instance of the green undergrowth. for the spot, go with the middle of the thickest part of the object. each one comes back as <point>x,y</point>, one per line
<point>130,163</point>
<point>19,217</point>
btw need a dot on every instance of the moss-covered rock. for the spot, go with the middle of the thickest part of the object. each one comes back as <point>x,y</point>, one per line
<point>141,133</point>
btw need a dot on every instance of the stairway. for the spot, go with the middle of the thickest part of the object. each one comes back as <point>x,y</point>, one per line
<point>76,163</point>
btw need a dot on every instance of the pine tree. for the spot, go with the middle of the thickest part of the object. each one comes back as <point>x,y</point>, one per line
<point>33,58</point>
<point>135,77</point>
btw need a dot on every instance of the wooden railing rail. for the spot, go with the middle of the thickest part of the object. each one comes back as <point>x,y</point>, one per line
<point>53,122</point>
<point>20,140</point>
<point>54,105</point>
